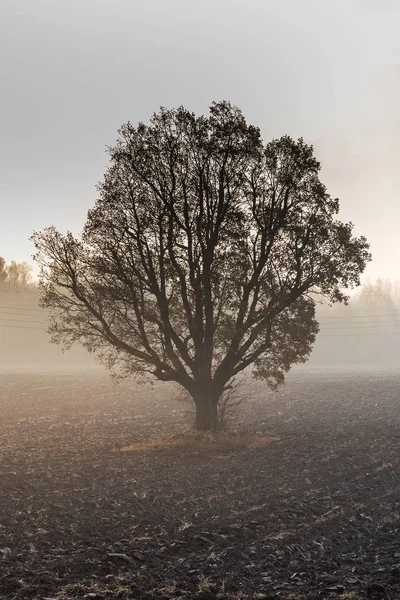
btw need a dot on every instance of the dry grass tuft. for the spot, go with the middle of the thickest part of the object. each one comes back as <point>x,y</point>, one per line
<point>237,438</point>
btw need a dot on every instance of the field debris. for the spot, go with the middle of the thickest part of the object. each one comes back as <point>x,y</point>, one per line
<point>312,511</point>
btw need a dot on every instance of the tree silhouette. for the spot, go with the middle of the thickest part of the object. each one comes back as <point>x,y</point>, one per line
<point>201,256</point>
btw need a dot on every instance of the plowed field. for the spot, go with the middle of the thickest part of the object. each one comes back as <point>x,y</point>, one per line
<point>313,514</point>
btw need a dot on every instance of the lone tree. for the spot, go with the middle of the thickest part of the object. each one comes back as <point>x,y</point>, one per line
<point>202,256</point>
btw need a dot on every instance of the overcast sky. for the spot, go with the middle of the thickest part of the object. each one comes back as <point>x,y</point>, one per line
<point>72,71</point>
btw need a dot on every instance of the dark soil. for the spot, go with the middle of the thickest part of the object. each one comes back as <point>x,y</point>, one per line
<point>313,515</point>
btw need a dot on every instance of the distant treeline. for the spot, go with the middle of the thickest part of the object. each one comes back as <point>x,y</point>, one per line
<point>366,332</point>
<point>23,323</point>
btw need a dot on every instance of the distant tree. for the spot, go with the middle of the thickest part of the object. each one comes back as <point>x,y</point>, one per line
<point>201,256</point>
<point>15,274</point>
<point>3,272</point>
<point>19,274</point>
<point>380,296</point>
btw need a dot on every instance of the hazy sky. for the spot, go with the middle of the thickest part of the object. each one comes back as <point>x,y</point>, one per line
<point>72,71</point>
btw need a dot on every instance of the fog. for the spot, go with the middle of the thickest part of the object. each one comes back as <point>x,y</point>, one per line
<point>75,71</point>
<point>200,483</point>
<point>364,333</point>
<point>23,336</point>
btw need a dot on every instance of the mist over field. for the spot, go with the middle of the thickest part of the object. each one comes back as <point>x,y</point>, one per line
<point>199,300</point>
<point>364,333</point>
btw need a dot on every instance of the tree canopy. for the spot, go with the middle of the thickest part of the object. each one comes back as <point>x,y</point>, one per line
<point>202,256</point>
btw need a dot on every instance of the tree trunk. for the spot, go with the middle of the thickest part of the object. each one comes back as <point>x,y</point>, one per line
<point>206,411</point>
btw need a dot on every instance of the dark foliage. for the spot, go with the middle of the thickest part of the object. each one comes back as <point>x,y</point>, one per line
<point>201,256</point>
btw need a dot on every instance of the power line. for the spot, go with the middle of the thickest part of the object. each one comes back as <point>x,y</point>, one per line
<point>21,327</point>
<point>339,335</point>
<point>365,316</point>
<point>345,326</point>
<point>352,324</point>
<point>20,293</point>
<point>21,314</point>
<point>388,324</point>
<point>10,310</point>
<point>330,321</point>
<point>41,310</point>
<point>9,289</point>
<point>381,319</point>
<point>22,320</point>
<point>7,311</point>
